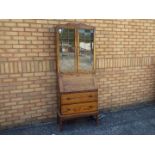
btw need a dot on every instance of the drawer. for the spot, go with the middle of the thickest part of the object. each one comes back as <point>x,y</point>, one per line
<point>79,108</point>
<point>71,98</point>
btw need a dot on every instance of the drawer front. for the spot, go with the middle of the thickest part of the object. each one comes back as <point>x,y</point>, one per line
<point>71,98</point>
<point>78,108</point>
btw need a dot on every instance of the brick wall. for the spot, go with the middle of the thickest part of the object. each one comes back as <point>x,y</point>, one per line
<point>125,56</point>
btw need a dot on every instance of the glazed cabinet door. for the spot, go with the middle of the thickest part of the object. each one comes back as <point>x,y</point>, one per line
<point>86,50</point>
<point>67,52</point>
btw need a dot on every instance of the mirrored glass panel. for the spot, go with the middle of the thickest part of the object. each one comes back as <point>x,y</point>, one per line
<point>86,46</point>
<point>67,49</point>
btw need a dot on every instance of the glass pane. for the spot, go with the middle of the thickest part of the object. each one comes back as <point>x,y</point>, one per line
<point>86,44</point>
<point>67,50</point>
<point>71,34</point>
<point>63,33</point>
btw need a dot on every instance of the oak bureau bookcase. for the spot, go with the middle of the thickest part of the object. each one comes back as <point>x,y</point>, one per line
<point>77,90</point>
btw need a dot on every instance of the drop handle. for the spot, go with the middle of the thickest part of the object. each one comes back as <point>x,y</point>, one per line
<point>68,98</point>
<point>90,96</point>
<point>68,109</point>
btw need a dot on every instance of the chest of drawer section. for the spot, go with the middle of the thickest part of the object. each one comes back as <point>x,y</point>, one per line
<point>81,102</point>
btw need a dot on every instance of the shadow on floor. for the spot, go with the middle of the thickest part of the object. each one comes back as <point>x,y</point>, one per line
<point>137,120</point>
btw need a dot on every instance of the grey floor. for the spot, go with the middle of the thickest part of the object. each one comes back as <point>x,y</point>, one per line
<point>137,120</point>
